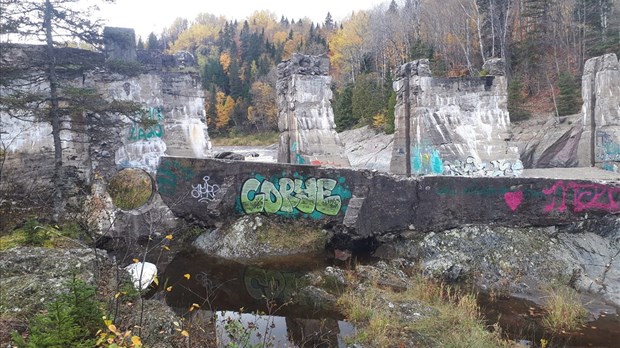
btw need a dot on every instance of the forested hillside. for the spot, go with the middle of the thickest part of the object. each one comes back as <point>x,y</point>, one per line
<point>544,42</point>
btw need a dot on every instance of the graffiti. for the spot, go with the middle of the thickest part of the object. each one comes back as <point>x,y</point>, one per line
<point>607,148</point>
<point>471,167</point>
<point>298,158</point>
<point>170,173</point>
<point>610,167</point>
<point>585,197</point>
<point>289,196</point>
<point>138,132</point>
<point>426,160</point>
<point>205,192</point>
<point>513,199</point>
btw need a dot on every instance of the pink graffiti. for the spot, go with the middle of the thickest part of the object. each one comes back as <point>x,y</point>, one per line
<point>585,197</point>
<point>513,199</point>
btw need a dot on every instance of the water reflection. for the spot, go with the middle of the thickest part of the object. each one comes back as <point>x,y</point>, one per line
<point>229,292</point>
<point>277,331</point>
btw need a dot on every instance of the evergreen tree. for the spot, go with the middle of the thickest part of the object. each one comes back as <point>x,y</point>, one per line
<point>152,43</point>
<point>568,101</point>
<point>343,108</point>
<point>516,101</point>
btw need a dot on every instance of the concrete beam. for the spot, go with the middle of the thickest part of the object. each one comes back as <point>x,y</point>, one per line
<point>371,203</point>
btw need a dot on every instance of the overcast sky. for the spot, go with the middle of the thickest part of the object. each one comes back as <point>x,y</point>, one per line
<point>147,16</point>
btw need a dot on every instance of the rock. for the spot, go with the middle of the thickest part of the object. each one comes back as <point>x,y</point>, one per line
<point>316,298</point>
<point>255,236</point>
<point>32,276</point>
<point>507,258</point>
<point>367,149</point>
<point>230,156</point>
<point>495,67</point>
<point>142,274</point>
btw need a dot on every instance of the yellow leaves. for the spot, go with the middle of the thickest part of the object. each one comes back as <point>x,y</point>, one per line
<point>136,341</point>
<point>194,306</point>
<point>265,108</point>
<point>379,121</point>
<point>155,280</point>
<point>169,288</point>
<point>165,247</point>
<point>187,276</point>
<point>185,333</point>
<point>224,108</point>
<point>112,328</point>
<point>135,260</point>
<point>225,61</point>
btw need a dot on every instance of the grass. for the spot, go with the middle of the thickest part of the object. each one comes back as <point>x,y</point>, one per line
<point>130,188</point>
<point>564,310</point>
<point>255,139</point>
<point>34,233</point>
<point>447,318</point>
<point>300,237</point>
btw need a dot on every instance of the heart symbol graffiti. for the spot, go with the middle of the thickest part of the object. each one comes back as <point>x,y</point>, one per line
<point>513,199</point>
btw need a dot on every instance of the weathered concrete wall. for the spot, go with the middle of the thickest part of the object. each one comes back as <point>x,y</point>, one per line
<point>458,126</point>
<point>95,147</point>
<point>369,203</point>
<point>306,119</point>
<point>600,90</point>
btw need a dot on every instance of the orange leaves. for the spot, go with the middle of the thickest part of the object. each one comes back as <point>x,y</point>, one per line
<point>225,61</point>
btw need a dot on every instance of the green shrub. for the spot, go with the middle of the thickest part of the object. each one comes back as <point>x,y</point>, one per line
<point>70,321</point>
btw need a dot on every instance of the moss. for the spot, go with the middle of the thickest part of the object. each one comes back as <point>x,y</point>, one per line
<point>125,68</point>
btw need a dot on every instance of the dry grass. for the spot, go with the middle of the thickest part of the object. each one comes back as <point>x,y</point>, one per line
<point>565,312</point>
<point>450,318</point>
<point>130,189</point>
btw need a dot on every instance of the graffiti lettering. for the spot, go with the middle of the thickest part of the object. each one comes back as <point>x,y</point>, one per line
<point>138,132</point>
<point>471,167</point>
<point>607,148</point>
<point>205,192</point>
<point>585,197</point>
<point>290,195</point>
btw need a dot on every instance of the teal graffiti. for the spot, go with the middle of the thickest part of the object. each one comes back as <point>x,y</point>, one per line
<point>170,173</point>
<point>137,132</point>
<point>298,158</point>
<point>286,196</point>
<point>426,160</point>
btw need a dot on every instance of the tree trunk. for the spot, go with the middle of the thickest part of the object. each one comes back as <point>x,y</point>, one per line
<point>54,115</point>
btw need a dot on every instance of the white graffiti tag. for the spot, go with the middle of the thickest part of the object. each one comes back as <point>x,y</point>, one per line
<point>205,192</point>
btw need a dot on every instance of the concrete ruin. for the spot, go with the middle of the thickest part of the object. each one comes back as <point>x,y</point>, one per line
<point>600,91</point>
<point>457,126</point>
<point>96,147</point>
<point>306,119</point>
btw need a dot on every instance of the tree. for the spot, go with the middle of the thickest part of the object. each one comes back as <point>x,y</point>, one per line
<point>568,100</point>
<point>51,21</point>
<point>224,108</point>
<point>265,112</point>
<point>151,42</point>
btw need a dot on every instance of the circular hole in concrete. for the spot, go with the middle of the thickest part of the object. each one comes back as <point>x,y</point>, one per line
<point>130,188</point>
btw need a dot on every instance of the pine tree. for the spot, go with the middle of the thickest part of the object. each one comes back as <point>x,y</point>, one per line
<point>568,100</point>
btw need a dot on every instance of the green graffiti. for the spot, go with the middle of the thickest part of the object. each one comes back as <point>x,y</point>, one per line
<point>288,196</point>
